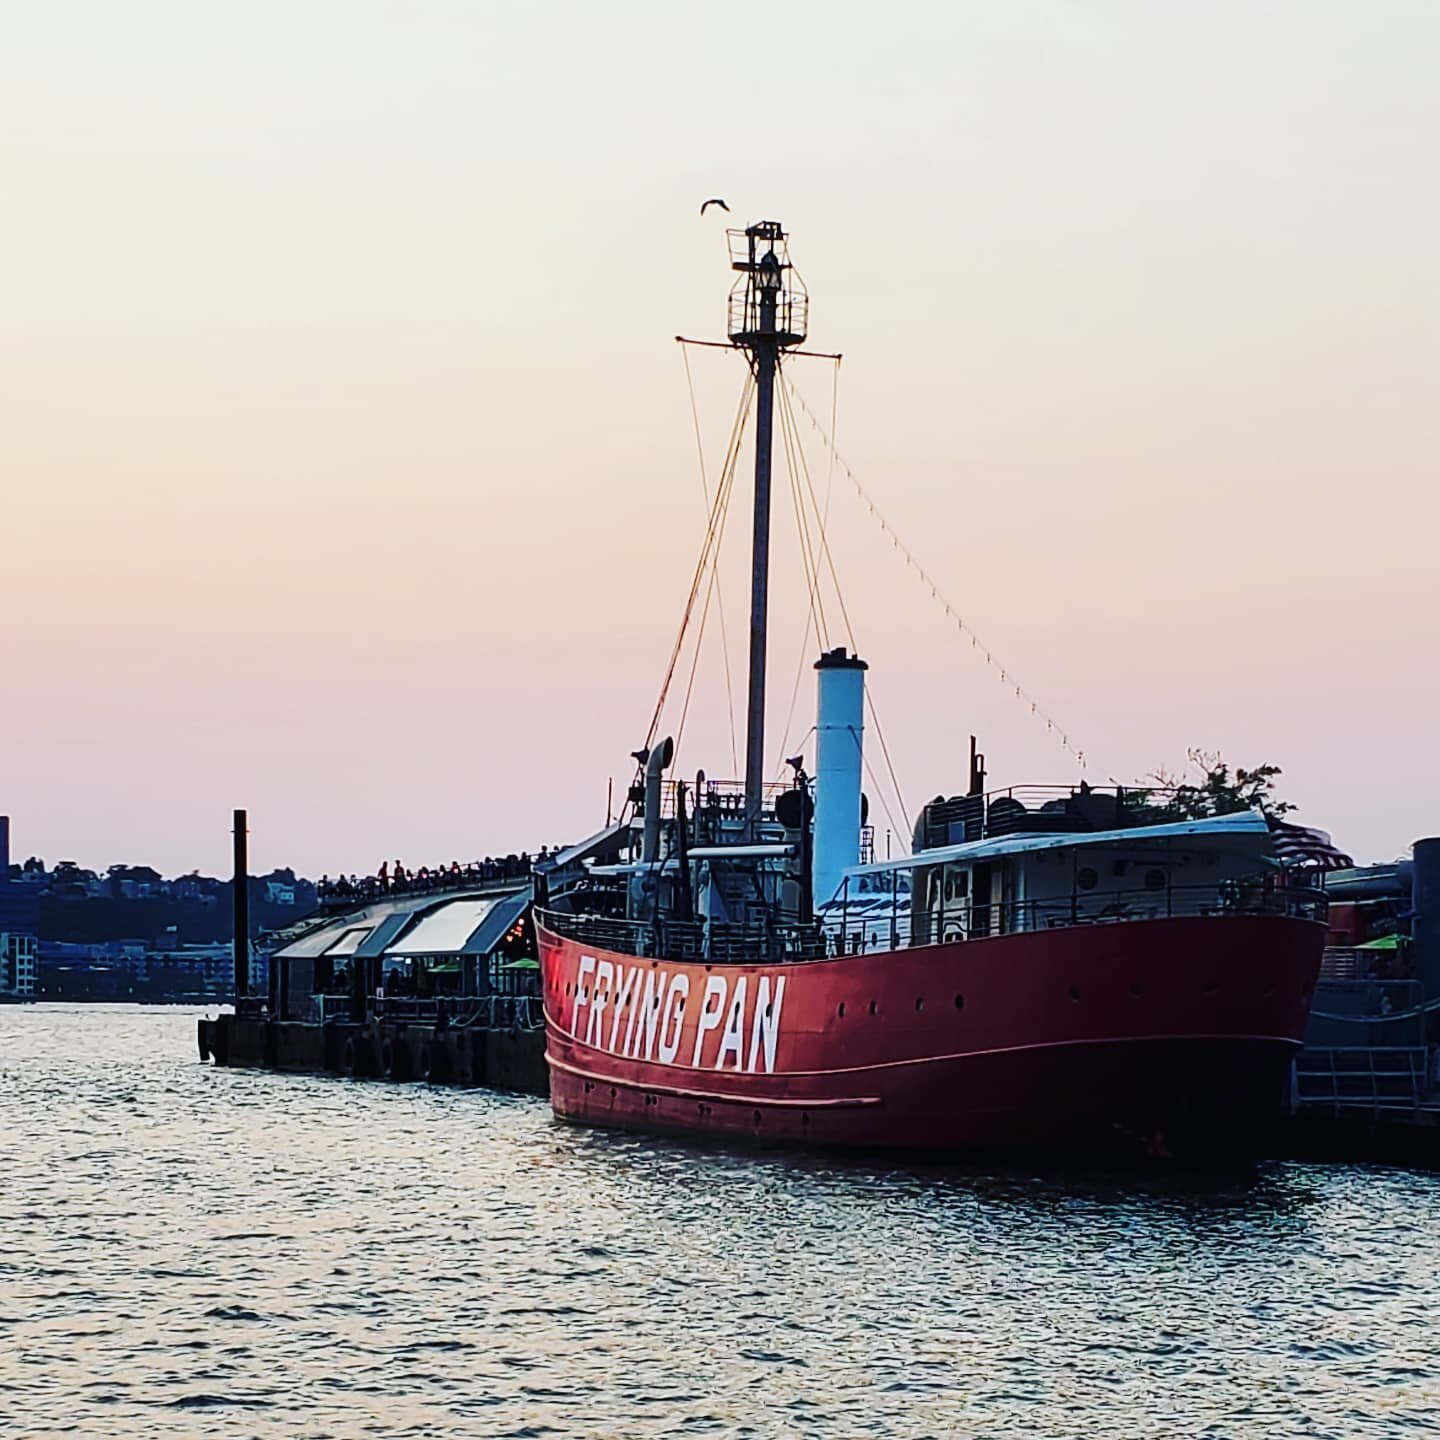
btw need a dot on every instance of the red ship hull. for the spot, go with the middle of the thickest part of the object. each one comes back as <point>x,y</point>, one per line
<point>1171,1035</point>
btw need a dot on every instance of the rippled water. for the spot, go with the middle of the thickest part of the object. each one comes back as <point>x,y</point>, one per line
<point>186,1251</point>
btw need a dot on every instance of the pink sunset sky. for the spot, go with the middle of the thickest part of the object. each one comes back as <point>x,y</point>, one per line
<point>347,469</point>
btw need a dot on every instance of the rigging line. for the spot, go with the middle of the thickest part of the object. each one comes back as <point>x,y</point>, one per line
<point>728,482</point>
<point>705,489</point>
<point>830,449</point>
<point>710,592</point>
<point>790,440</point>
<point>1003,671</point>
<point>889,765</point>
<point>845,614</point>
<point>885,804</point>
<point>786,391</point>
<point>721,494</point>
<point>807,554</point>
<point>824,539</point>
<point>795,689</point>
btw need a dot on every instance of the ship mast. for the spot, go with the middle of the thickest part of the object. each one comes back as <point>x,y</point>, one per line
<point>768,314</point>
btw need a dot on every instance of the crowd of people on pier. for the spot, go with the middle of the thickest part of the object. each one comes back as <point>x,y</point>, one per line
<point>392,878</point>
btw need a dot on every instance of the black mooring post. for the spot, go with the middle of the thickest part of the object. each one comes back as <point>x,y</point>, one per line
<point>241,898</point>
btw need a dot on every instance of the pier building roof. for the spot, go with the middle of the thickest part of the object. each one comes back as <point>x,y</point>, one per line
<point>410,925</point>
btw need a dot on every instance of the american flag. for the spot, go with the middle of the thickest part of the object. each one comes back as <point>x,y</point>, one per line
<point>1299,845</point>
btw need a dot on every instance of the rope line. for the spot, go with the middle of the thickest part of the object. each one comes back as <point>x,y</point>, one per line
<point>807,554</point>
<point>722,497</point>
<point>720,594</point>
<point>788,420</point>
<point>1003,672</point>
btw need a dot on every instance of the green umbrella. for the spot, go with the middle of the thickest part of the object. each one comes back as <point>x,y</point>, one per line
<point>1385,942</point>
<point>524,963</point>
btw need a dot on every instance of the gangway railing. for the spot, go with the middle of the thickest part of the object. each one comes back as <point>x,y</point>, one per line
<point>1365,1078</point>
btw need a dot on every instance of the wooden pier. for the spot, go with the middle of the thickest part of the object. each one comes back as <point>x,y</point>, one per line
<point>498,1042</point>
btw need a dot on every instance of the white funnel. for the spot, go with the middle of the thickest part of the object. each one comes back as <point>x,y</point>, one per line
<point>839,741</point>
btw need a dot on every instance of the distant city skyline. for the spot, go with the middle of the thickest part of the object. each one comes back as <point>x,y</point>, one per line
<point>349,464</point>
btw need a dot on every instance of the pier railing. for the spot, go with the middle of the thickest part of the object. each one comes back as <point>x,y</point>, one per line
<point>1370,1078</point>
<point>490,1012</point>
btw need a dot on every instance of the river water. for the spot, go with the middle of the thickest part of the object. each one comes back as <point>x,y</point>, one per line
<point>187,1251</point>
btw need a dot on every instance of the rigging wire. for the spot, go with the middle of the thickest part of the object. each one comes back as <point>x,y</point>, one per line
<point>722,496</point>
<point>788,421</point>
<point>710,592</point>
<point>1003,672</point>
<point>789,440</point>
<point>727,482</point>
<point>808,555</point>
<point>834,423</point>
<point>720,596</point>
<point>905,834</point>
<point>788,411</point>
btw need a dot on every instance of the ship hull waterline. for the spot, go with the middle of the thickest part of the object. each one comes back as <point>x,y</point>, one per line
<point>1172,1037</point>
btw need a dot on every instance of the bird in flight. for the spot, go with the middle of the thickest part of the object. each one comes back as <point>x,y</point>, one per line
<point>716,201</point>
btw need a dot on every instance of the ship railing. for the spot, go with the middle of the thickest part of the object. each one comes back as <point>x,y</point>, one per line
<point>690,940</point>
<point>887,923</point>
<point>718,797</point>
<point>1045,809</point>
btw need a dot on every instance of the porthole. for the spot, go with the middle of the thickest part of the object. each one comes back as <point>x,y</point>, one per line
<point>1087,878</point>
<point>919,1002</point>
<point>1075,994</point>
<point>1136,990</point>
<point>1154,879</point>
<point>841,1011</point>
<point>874,1008</point>
<point>959,1002</point>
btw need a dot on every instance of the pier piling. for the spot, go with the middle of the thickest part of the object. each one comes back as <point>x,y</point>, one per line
<point>241,898</point>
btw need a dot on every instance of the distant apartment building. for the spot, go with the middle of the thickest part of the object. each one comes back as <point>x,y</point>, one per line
<point>17,966</point>
<point>19,922</point>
